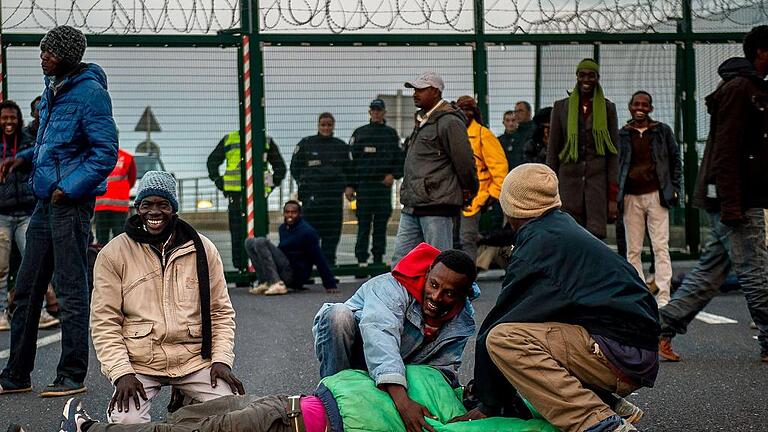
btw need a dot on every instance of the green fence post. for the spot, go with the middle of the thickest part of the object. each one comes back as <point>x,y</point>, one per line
<point>537,79</point>
<point>258,130</point>
<point>3,72</point>
<point>480,60</point>
<point>690,130</point>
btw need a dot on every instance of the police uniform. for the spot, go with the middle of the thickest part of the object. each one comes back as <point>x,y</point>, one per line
<point>320,166</point>
<point>375,154</point>
<point>228,150</point>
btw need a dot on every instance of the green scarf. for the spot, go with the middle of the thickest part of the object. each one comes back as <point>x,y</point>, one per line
<point>570,152</point>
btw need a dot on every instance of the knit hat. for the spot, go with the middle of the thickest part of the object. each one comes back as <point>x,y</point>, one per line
<point>65,42</point>
<point>529,190</point>
<point>158,183</point>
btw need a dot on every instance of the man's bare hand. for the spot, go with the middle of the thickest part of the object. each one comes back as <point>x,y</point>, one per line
<point>412,413</point>
<point>9,166</point>
<point>58,196</point>
<point>127,387</point>
<point>475,414</point>
<point>389,179</point>
<point>224,372</point>
<point>613,211</point>
<point>349,193</point>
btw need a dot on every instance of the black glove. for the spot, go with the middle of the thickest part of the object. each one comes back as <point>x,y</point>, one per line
<point>219,183</point>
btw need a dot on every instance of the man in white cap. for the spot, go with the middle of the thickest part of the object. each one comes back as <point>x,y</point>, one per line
<point>439,173</point>
<point>574,325</point>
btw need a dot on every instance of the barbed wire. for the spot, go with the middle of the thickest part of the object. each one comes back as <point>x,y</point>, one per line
<point>340,16</point>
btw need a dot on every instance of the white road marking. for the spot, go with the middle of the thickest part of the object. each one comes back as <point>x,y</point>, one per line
<point>714,319</point>
<point>47,340</point>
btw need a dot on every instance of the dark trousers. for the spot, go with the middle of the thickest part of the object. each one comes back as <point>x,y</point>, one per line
<point>224,414</point>
<point>109,222</point>
<point>237,229</point>
<point>324,213</point>
<point>372,211</point>
<point>57,244</point>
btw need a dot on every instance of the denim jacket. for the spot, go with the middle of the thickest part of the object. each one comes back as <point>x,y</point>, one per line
<point>390,324</point>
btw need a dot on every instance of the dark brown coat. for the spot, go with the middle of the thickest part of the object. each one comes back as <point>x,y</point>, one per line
<point>586,186</point>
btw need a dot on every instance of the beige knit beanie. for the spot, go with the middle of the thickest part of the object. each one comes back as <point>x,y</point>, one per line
<point>529,190</point>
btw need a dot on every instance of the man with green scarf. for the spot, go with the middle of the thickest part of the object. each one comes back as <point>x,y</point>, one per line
<point>582,151</point>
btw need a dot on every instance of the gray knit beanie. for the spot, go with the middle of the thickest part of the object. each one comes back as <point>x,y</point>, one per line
<point>158,183</point>
<point>65,42</point>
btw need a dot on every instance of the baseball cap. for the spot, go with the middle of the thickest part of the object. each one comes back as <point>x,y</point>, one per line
<point>377,104</point>
<point>427,79</point>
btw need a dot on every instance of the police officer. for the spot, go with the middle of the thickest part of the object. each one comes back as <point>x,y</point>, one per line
<point>320,166</point>
<point>377,161</point>
<point>228,149</point>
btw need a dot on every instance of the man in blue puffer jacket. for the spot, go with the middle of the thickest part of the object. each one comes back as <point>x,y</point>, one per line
<point>75,151</point>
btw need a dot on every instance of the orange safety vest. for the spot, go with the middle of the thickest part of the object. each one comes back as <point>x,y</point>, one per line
<point>118,192</point>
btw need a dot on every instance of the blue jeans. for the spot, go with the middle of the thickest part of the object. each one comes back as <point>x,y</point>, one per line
<point>57,241</point>
<point>741,248</point>
<point>12,228</point>
<point>338,343</point>
<point>435,230</point>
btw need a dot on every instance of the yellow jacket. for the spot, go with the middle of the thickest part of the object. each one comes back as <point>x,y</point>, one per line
<point>491,164</point>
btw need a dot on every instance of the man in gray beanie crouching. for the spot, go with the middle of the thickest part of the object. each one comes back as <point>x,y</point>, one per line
<point>161,314</point>
<point>76,149</point>
<point>574,328</point>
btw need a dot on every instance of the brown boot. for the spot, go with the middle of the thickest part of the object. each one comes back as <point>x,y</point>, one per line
<point>666,352</point>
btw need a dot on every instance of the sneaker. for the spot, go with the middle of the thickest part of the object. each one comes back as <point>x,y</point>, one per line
<point>74,416</point>
<point>15,428</point>
<point>625,426</point>
<point>764,358</point>
<point>277,288</point>
<point>7,386</point>
<point>666,352</point>
<point>628,411</point>
<point>47,321</point>
<point>259,289</point>
<point>63,386</point>
<point>5,322</point>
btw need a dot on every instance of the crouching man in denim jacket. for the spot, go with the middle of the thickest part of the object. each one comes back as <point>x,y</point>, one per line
<point>417,314</point>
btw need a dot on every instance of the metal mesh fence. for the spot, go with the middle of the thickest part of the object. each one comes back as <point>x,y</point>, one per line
<point>193,96</point>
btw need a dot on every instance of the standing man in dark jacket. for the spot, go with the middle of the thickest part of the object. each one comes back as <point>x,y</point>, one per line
<point>439,173</point>
<point>573,323</point>
<point>289,264</point>
<point>34,125</point>
<point>321,167</point>
<point>75,152</point>
<point>16,199</point>
<point>731,187</point>
<point>582,151</point>
<point>650,172</point>
<point>515,141</point>
<point>231,183</point>
<point>376,162</point>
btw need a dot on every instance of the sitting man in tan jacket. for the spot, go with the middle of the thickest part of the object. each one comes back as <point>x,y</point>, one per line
<point>161,313</point>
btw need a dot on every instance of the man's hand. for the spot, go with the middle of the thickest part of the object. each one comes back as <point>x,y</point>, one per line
<point>467,196</point>
<point>127,387</point>
<point>223,372</point>
<point>613,211</point>
<point>9,166</point>
<point>474,414</point>
<point>412,413</point>
<point>58,196</point>
<point>219,182</point>
<point>389,179</point>
<point>349,193</point>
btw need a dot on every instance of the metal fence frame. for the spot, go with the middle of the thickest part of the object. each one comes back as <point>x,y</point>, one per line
<point>253,191</point>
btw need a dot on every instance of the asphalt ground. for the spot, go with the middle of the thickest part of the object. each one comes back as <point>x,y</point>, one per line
<point>719,386</point>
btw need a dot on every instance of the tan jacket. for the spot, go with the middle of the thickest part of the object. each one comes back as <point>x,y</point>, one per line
<point>147,320</point>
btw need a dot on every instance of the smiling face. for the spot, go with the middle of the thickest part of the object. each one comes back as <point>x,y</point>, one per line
<point>640,107</point>
<point>50,64</point>
<point>155,212</point>
<point>443,290</point>
<point>325,127</point>
<point>291,213</point>
<point>586,80</point>
<point>9,120</point>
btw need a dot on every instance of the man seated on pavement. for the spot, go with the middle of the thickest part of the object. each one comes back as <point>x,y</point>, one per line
<point>348,401</point>
<point>161,313</point>
<point>574,325</point>
<point>417,314</point>
<point>289,264</point>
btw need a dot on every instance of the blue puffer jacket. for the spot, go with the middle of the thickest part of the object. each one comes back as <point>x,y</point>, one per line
<point>77,139</point>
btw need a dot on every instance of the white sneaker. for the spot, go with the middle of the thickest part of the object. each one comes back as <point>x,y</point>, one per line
<point>5,322</point>
<point>628,411</point>
<point>277,288</point>
<point>258,289</point>
<point>47,321</point>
